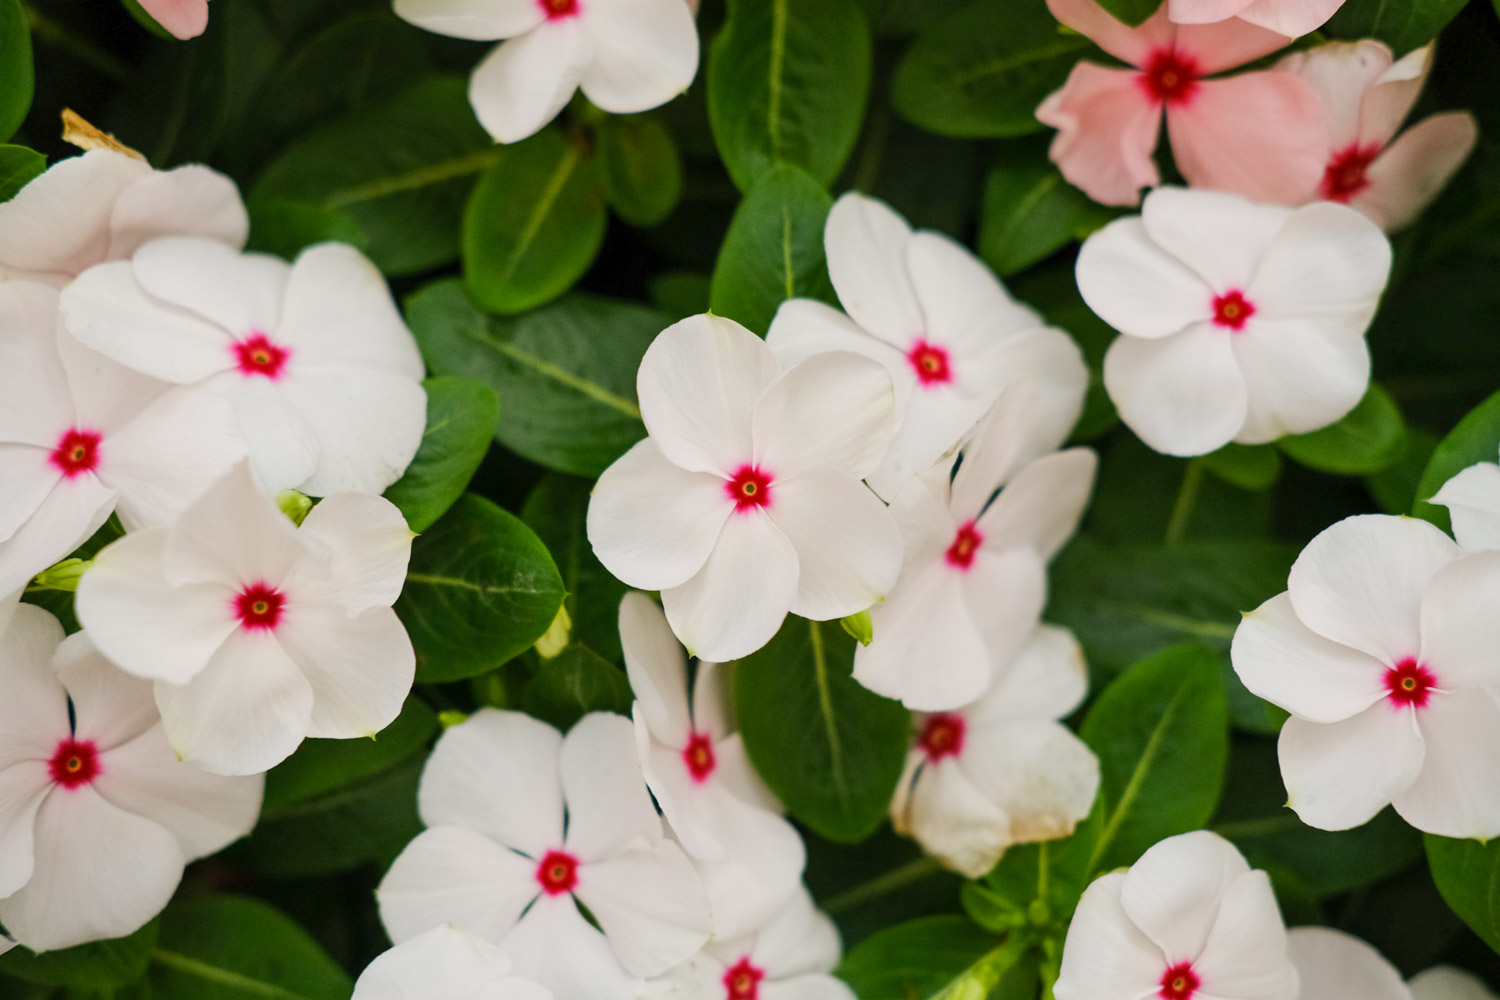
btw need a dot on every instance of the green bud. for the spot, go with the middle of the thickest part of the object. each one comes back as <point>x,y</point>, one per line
<point>556,639</point>
<point>860,627</point>
<point>64,576</point>
<point>450,718</point>
<point>294,505</point>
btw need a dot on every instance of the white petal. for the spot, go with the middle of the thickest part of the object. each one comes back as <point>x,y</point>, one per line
<point>1105,956</point>
<point>480,20</point>
<point>525,82</point>
<point>444,963</point>
<point>338,312</point>
<point>1051,360</point>
<point>23,788</point>
<point>1137,286</point>
<point>740,777</point>
<point>713,700</point>
<point>370,546</point>
<point>609,809</point>
<point>1047,680</point>
<point>805,327</point>
<point>1460,630</point>
<point>106,395</point>
<point>1283,661</point>
<point>1328,264</point>
<point>1005,592</point>
<point>867,245</point>
<point>1360,582</point>
<point>191,200</point>
<point>834,411</point>
<point>454,875</point>
<point>553,945</point>
<point>34,711</point>
<point>1331,963</point>
<point>650,905</point>
<point>657,670</point>
<point>497,773</point>
<point>59,224</point>
<point>361,668</point>
<point>952,819</point>
<point>109,706</point>
<point>645,53</point>
<point>966,307</point>
<point>936,419</point>
<point>1452,796</point>
<point>766,860</point>
<point>1041,507</point>
<point>35,403</point>
<point>368,426</point>
<point>1246,955</point>
<point>234,534</point>
<point>1443,982</point>
<point>1040,775</point>
<point>848,547</point>
<point>1175,891</point>
<point>72,512</point>
<point>799,940</point>
<point>240,293</point>
<point>29,477</point>
<point>282,444</point>
<point>1222,237</point>
<point>736,603</point>
<point>1300,377</point>
<point>1473,500</point>
<point>1182,395</point>
<point>1341,774</point>
<point>813,987</point>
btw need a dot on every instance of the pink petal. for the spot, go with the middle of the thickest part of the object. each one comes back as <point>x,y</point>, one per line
<point>1227,44</point>
<point>183,18</point>
<point>1292,18</point>
<point>1414,168</point>
<point>1342,73</point>
<point>1204,11</point>
<point>1133,45</point>
<point>1107,131</point>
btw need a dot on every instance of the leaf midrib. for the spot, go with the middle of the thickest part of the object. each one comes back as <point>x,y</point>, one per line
<point>224,977</point>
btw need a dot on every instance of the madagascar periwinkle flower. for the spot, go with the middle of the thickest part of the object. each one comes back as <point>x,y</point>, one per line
<point>444,963</point>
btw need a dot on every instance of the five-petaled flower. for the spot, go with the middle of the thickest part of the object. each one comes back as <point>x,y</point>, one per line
<point>444,963</point>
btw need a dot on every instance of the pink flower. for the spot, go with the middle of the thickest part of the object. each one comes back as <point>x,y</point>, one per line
<point>1368,94</point>
<point>1261,135</point>
<point>1286,17</point>
<point>183,18</point>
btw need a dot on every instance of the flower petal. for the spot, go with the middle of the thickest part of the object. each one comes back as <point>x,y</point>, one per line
<point>191,200</point>
<point>35,404</point>
<point>1444,982</point>
<point>370,546</point>
<point>522,85</point>
<point>1221,237</point>
<point>109,707</point>
<point>657,670</point>
<point>70,515</point>
<point>1040,508</point>
<point>1227,44</point>
<point>1341,774</point>
<point>478,20</point>
<point>1107,129</point>
<point>713,700</point>
<point>1473,501</point>
<point>1000,445</point>
<point>1174,893</point>
<point>1047,680</point>
<point>1292,18</point>
<point>1183,395</point>
<point>650,905</point>
<point>1460,630</point>
<point>1329,264</point>
<point>240,293</point>
<point>1391,97</point>
<point>1204,11</point>
<point>847,546</point>
<point>368,425</point>
<point>23,788</point>
<point>34,712</point>
<point>798,940</point>
<point>183,18</point>
<point>867,244</point>
<point>59,224</point>
<point>1451,797</point>
<point>444,963</point>
<point>1136,285</point>
<point>1283,661</point>
<point>1005,592</point>
<point>1300,377</point>
<point>834,411</point>
<point>609,809</point>
<point>234,534</point>
<point>764,860</point>
<point>1041,776</point>
<point>454,875</point>
<point>966,307</point>
<point>1105,955</point>
<point>338,311</point>
<point>555,946</point>
<point>1246,954</point>
<point>936,419</point>
<point>950,817</point>
<point>361,668</point>
<point>1342,74</point>
<point>283,445</point>
<point>1120,40</point>
<point>1415,168</point>
<point>1331,963</point>
<point>645,52</point>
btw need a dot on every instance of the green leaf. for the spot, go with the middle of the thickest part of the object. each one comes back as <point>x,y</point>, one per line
<point>1041,883</point>
<point>461,419</point>
<point>640,167</point>
<point>481,590</point>
<point>981,72</point>
<point>19,166</point>
<point>572,684</point>
<point>1467,873</point>
<point>1131,11</point>
<point>16,80</point>
<point>285,226</point>
<point>1029,213</point>
<point>788,81</point>
<point>565,374</point>
<point>556,511</point>
<point>1368,439</point>
<point>774,249</point>
<point>534,224</point>
<point>1161,731</point>
<point>914,959</point>
<point>1250,467</point>
<point>1402,24</point>
<point>402,169</point>
<point>831,749</point>
<point>100,965</point>
<point>1476,439</point>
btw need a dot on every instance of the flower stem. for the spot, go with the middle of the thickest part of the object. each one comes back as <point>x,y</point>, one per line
<point>881,885</point>
<point>1187,499</point>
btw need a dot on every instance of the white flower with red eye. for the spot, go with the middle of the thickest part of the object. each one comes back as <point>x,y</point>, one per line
<point>259,633</point>
<point>1368,94</point>
<point>942,325</point>
<point>444,963</point>
<point>696,767</point>
<point>745,501</point>
<point>315,358</point>
<point>1188,921</point>
<point>1473,501</point>
<point>974,576</point>
<point>81,436</point>
<point>626,55</point>
<point>103,206</point>
<point>1292,18</point>
<point>1444,982</point>
<point>524,827</point>
<point>788,957</point>
<point>1002,770</point>
<point>1333,965</point>
<point>100,816</point>
<point>1382,649</point>
<point>1242,322</point>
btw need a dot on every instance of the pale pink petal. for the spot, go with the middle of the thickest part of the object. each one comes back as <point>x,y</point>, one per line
<point>370,546</point>
<point>522,85</point>
<point>234,534</point>
<point>338,312</point>
<point>1390,99</point>
<point>240,293</point>
<point>109,706</point>
<point>1452,796</point>
<point>1444,982</point>
<point>72,512</point>
<point>368,425</point>
<point>59,224</point>
<point>1415,168</point>
<point>966,307</point>
<point>834,412</point>
<point>1136,285</point>
<point>444,963</point>
<point>1227,44</point>
<point>1246,954</point>
<point>1105,956</point>
<point>1107,130</point>
<point>735,604</point>
<point>1460,630</point>
<point>1175,891</point>
<point>23,788</point>
<point>283,444</point>
<point>1360,582</point>
<point>479,20</point>
<point>1473,501</point>
<point>1283,661</point>
<point>1042,776</point>
<point>1183,395</point>
<point>183,18</point>
<point>1342,73</point>
<point>1047,680</point>
<point>1301,377</point>
<point>848,548</point>
<point>1292,18</point>
<point>360,667</point>
<point>867,244</point>
<point>657,670</point>
<point>555,946</point>
<point>609,809</point>
<point>650,905</point>
<point>1331,963</point>
<point>1204,11</point>
<point>454,875</point>
<point>1132,45</point>
<point>1040,508</point>
<point>192,200</point>
<point>1339,775</point>
<point>798,940</point>
<point>1329,264</point>
<point>645,52</point>
<point>1220,237</point>
<point>952,819</point>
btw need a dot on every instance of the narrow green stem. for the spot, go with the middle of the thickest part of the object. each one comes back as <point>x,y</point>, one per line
<point>881,885</point>
<point>1187,499</point>
<point>89,53</point>
<point>1267,826</point>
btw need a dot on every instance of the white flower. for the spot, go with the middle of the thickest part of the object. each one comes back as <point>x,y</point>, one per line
<point>1292,19</point>
<point>1188,920</point>
<point>1382,649</point>
<point>81,436</point>
<point>1333,965</point>
<point>104,205</point>
<point>1242,322</point>
<point>695,765</point>
<point>974,576</point>
<point>745,501</point>
<point>315,358</point>
<point>444,964</point>
<point>789,957</point>
<point>626,55</point>
<point>1003,770</point>
<point>1473,501</point>
<point>97,815</point>
<point>1443,982</point>
<point>256,632</point>
<point>521,822</point>
<point>946,329</point>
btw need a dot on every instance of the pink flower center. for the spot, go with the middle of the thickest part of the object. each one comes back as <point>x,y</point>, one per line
<point>257,355</point>
<point>1179,982</point>
<point>558,873</point>
<point>556,10</point>
<point>742,981</point>
<point>942,736</point>
<point>930,362</point>
<point>750,487</point>
<point>76,453</point>
<point>698,755</point>
<point>1232,310</point>
<point>74,763</point>
<point>1170,77</point>
<point>1347,173</point>
<point>966,543</point>
<point>1409,683</point>
<point>259,606</point>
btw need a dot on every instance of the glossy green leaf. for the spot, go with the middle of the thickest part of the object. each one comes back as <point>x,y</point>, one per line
<point>556,511</point>
<point>1161,732</point>
<point>19,166</point>
<point>1467,873</point>
<point>565,374</point>
<point>774,249</point>
<point>1476,439</point>
<point>99,965</point>
<point>1029,213</point>
<point>461,419</point>
<point>982,71</point>
<point>1402,24</point>
<point>903,17</point>
<point>481,590</point>
<point>1368,439</point>
<point>1131,11</point>
<point>285,226</point>
<point>788,81</point>
<point>914,959</point>
<point>534,224</point>
<point>828,747</point>
<point>640,167</point>
<point>16,82</point>
<point>1250,467</point>
<point>572,684</point>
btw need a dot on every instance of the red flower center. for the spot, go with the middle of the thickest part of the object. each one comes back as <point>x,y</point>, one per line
<point>966,543</point>
<point>698,755</point>
<point>1347,173</point>
<point>558,9</point>
<point>930,362</point>
<point>77,452</point>
<point>750,487</point>
<point>742,981</point>
<point>1232,310</point>
<point>74,763</point>
<point>942,736</point>
<point>1170,77</point>
<point>256,355</point>
<point>259,606</point>
<point>558,873</point>
<point>1179,982</point>
<point>1409,683</point>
